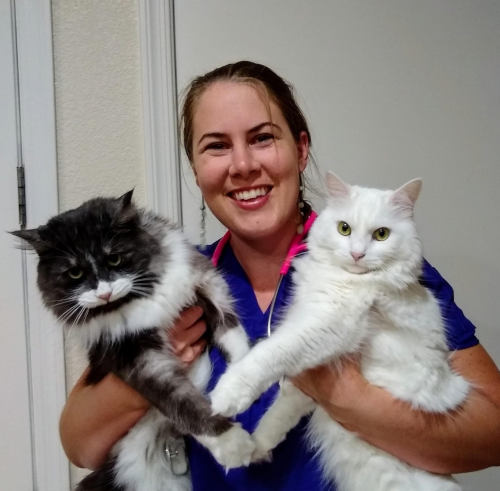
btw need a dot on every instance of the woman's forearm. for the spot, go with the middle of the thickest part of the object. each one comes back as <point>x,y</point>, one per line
<point>465,440</point>
<point>95,417</point>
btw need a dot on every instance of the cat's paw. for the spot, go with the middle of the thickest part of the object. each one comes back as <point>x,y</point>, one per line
<point>265,440</point>
<point>233,448</point>
<point>231,395</point>
<point>261,454</point>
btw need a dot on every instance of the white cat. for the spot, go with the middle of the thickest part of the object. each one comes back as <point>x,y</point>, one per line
<point>357,292</point>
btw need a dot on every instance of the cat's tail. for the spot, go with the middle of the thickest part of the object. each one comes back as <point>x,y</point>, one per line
<point>102,479</point>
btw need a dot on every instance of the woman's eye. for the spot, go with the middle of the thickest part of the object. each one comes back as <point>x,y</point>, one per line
<point>381,233</point>
<point>216,146</point>
<point>344,228</point>
<point>75,273</point>
<point>114,260</point>
<point>264,138</point>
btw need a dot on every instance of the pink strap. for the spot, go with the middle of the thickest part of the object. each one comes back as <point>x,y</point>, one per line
<point>296,246</point>
<point>220,247</point>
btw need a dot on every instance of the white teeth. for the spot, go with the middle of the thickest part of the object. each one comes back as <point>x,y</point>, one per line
<point>250,194</point>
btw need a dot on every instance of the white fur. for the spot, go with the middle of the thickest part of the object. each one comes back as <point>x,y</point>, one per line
<point>236,342</point>
<point>118,289</point>
<point>201,371</point>
<point>231,449</point>
<point>135,471</point>
<point>373,306</point>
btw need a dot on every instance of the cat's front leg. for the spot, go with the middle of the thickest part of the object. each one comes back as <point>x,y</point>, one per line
<point>289,407</point>
<point>238,387</point>
<point>245,380</point>
<point>166,386</point>
<point>233,448</point>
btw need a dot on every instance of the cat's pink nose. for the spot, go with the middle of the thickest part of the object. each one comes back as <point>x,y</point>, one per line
<point>105,296</point>
<point>357,255</point>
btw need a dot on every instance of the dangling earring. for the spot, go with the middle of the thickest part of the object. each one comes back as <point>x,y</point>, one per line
<point>203,224</point>
<point>301,205</point>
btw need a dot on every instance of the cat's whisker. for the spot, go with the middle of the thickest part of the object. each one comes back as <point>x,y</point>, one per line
<point>142,282</point>
<point>144,279</point>
<point>82,312</point>
<point>142,293</point>
<point>78,316</point>
<point>86,315</point>
<point>63,318</point>
<point>145,287</point>
<point>62,302</point>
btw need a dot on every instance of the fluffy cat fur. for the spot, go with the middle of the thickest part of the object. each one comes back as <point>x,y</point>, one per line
<point>118,277</point>
<point>354,295</point>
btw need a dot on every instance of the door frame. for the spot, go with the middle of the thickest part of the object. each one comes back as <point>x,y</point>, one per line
<point>161,136</point>
<point>45,344</point>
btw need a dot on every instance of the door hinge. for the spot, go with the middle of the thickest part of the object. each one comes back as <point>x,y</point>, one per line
<point>21,196</point>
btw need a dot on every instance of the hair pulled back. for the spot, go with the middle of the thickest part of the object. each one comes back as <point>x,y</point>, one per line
<point>280,92</point>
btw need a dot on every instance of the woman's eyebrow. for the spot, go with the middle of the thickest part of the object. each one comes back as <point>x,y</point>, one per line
<point>217,134</point>
<point>214,134</point>
<point>262,125</point>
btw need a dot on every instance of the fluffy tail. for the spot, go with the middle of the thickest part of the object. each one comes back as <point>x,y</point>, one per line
<point>102,479</point>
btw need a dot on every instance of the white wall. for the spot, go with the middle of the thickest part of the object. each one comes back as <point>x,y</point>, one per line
<point>393,89</point>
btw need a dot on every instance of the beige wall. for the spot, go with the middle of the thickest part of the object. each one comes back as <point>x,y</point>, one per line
<point>98,99</point>
<point>100,141</point>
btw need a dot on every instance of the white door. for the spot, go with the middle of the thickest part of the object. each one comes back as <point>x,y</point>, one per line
<point>15,445</point>
<point>31,355</point>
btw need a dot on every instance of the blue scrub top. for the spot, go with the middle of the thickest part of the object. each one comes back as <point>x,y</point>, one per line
<point>294,467</point>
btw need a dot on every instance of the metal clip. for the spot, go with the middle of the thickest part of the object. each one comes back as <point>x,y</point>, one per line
<point>175,453</point>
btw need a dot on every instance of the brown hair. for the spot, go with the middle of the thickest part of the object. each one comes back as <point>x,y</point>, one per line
<point>280,91</point>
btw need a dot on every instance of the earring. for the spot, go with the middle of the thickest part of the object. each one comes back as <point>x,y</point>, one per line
<point>203,224</point>
<point>301,205</point>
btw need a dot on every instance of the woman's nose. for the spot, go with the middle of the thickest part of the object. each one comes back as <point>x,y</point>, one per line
<point>243,161</point>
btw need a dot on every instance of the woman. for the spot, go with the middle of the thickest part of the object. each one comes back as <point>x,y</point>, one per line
<point>248,144</point>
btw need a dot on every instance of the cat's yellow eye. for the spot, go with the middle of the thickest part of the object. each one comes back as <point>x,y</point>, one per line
<point>75,273</point>
<point>344,228</point>
<point>381,233</point>
<point>114,260</point>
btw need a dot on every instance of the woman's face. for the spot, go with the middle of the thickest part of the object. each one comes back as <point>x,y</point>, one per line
<point>246,160</point>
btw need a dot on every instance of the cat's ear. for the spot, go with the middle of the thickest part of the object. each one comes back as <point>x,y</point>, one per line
<point>126,198</point>
<point>127,214</point>
<point>407,194</point>
<point>30,239</point>
<point>337,188</point>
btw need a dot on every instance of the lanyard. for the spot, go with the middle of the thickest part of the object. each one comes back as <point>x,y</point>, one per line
<point>297,246</point>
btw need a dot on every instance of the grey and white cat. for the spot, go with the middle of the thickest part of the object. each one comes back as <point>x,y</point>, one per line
<point>357,293</point>
<point>118,277</point>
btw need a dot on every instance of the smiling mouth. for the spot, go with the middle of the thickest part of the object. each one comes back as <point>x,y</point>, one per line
<point>250,194</point>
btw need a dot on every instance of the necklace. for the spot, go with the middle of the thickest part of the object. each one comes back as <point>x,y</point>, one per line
<point>296,247</point>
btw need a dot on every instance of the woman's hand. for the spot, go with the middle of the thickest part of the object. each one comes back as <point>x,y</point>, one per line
<point>340,387</point>
<point>96,416</point>
<point>186,336</point>
<point>458,441</point>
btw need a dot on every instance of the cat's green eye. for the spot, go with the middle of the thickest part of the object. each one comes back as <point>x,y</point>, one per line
<point>381,233</point>
<point>344,228</point>
<point>114,260</point>
<point>75,273</point>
